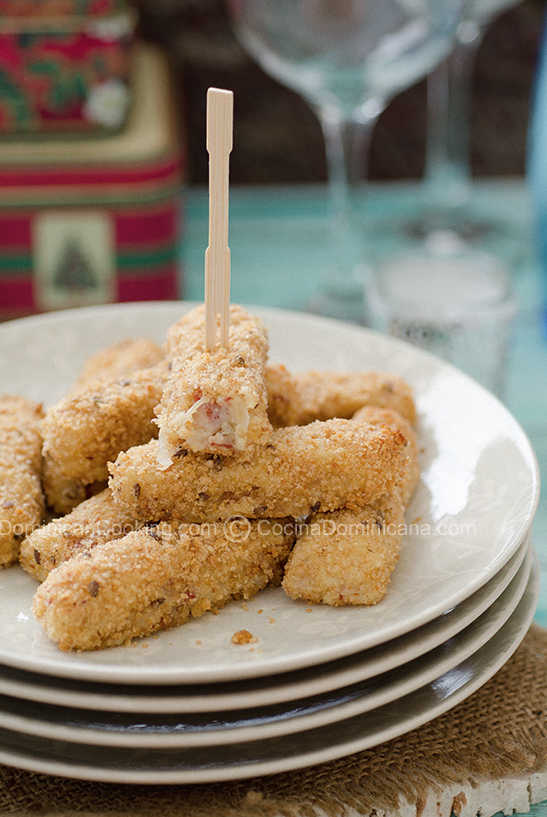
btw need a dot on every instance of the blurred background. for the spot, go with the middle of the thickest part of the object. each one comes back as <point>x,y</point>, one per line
<point>277,138</point>
<point>102,148</point>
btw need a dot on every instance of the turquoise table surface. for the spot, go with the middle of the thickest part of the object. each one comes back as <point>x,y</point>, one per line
<point>278,242</point>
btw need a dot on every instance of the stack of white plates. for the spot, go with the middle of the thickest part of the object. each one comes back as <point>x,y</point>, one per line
<point>188,705</point>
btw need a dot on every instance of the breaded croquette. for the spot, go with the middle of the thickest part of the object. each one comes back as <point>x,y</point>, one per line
<point>383,416</point>
<point>73,426</point>
<point>302,397</point>
<point>120,360</point>
<point>214,401</point>
<point>348,556</point>
<point>21,497</point>
<point>70,436</point>
<point>156,578</point>
<point>90,426</point>
<point>320,466</point>
<point>93,522</point>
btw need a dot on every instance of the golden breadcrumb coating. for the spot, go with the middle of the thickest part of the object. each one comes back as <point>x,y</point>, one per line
<point>119,360</point>
<point>321,466</point>
<point>383,416</point>
<point>21,497</point>
<point>95,521</point>
<point>90,426</point>
<point>302,397</point>
<point>347,556</point>
<point>70,430</point>
<point>156,578</point>
<point>214,401</point>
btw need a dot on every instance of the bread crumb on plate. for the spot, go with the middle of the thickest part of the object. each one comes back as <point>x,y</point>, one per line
<point>243,637</point>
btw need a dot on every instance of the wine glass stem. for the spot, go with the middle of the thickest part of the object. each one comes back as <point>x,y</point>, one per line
<point>448,166</point>
<point>347,144</point>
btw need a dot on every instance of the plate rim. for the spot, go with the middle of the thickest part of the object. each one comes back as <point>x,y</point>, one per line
<point>275,665</point>
<point>315,686</point>
<point>480,631</point>
<point>216,774</point>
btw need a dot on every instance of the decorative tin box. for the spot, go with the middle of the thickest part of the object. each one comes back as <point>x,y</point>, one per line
<point>95,220</point>
<point>64,74</point>
<point>59,8</point>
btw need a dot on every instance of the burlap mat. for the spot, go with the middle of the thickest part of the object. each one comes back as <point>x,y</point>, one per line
<point>498,733</point>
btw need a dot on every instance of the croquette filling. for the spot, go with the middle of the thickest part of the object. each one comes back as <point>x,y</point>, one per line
<point>207,425</point>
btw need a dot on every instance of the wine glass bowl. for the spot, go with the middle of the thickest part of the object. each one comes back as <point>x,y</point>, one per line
<point>347,53</point>
<point>347,59</point>
<point>449,289</point>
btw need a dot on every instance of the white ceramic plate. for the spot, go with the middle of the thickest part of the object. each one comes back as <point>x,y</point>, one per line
<point>262,691</point>
<point>473,507</point>
<point>146,730</point>
<point>200,764</point>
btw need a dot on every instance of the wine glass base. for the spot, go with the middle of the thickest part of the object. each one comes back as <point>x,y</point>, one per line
<point>474,230</point>
<point>454,302</point>
<point>469,230</point>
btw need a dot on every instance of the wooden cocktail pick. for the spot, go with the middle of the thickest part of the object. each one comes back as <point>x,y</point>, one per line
<point>220,116</point>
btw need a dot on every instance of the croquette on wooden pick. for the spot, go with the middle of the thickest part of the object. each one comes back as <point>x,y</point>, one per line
<point>214,401</point>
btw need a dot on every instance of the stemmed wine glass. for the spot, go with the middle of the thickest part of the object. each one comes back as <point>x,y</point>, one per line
<point>447,182</point>
<point>445,291</point>
<point>347,58</point>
